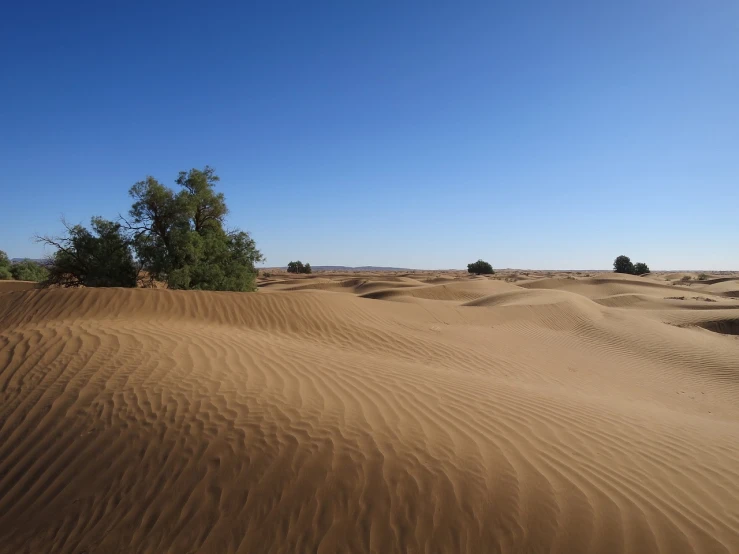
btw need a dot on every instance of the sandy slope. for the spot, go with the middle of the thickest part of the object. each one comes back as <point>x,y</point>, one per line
<point>374,413</point>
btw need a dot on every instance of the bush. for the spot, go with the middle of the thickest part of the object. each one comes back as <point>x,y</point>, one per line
<point>640,268</point>
<point>480,267</point>
<point>299,267</point>
<point>686,278</point>
<point>703,276</point>
<point>101,258</point>
<point>623,264</point>
<point>28,270</point>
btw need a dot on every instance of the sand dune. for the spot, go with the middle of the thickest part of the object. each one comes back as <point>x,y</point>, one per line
<point>372,413</point>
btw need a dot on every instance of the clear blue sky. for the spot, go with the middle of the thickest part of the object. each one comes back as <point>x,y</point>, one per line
<point>416,134</point>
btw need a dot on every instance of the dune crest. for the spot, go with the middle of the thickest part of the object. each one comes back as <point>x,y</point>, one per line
<point>372,413</point>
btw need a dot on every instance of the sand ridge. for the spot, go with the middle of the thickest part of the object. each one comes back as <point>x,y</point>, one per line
<point>373,413</point>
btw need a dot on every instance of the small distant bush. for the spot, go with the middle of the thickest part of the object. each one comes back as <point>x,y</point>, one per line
<point>703,276</point>
<point>28,270</point>
<point>480,267</point>
<point>299,267</point>
<point>686,278</point>
<point>640,268</point>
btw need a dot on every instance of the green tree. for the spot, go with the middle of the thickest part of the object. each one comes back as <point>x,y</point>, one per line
<point>5,273</point>
<point>623,264</point>
<point>307,268</point>
<point>640,268</point>
<point>28,270</point>
<point>180,238</point>
<point>98,258</point>
<point>480,267</point>
<point>295,267</point>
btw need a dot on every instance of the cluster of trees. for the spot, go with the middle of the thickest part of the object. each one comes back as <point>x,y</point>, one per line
<point>298,267</point>
<point>26,270</point>
<point>480,267</point>
<point>175,237</point>
<point>623,264</point>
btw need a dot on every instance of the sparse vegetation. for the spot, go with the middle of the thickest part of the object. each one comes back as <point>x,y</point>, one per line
<point>5,273</point>
<point>703,277</point>
<point>640,268</point>
<point>623,264</point>
<point>98,258</point>
<point>480,267</point>
<point>686,278</point>
<point>28,270</point>
<point>178,238</point>
<point>299,267</point>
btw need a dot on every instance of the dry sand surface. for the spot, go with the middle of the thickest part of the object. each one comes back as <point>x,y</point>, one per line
<point>387,412</point>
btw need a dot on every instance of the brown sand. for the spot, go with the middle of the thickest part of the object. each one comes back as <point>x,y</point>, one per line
<point>373,413</point>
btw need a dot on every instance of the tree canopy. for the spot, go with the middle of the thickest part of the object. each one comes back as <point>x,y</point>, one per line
<point>623,264</point>
<point>180,237</point>
<point>28,270</point>
<point>640,268</point>
<point>98,258</point>
<point>175,237</point>
<point>299,267</point>
<point>5,273</point>
<point>480,267</point>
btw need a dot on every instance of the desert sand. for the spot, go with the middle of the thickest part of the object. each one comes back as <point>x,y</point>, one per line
<point>386,412</point>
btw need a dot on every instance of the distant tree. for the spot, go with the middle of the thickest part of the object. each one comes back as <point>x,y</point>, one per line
<point>5,273</point>
<point>640,268</point>
<point>98,258</point>
<point>623,264</point>
<point>28,270</point>
<point>299,267</point>
<point>180,238</point>
<point>480,267</point>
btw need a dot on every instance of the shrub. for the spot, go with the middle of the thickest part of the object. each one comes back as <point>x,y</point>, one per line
<point>623,264</point>
<point>101,258</point>
<point>28,270</point>
<point>640,268</point>
<point>299,267</point>
<point>702,276</point>
<point>480,267</point>
<point>686,278</point>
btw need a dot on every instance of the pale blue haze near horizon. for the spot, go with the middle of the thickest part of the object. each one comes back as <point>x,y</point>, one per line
<point>414,134</point>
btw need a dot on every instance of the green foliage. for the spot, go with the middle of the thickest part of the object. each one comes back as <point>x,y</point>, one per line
<point>480,267</point>
<point>640,268</point>
<point>98,258</point>
<point>28,270</point>
<point>703,276</point>
<point>180,238</point>
<point>623,264</point>
<point>5,274</point>
<point>686,278</point>
<point>299,267</point>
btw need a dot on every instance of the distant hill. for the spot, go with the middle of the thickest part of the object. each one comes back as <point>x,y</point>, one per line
<point>361,268</point>
<point>37,260</point>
